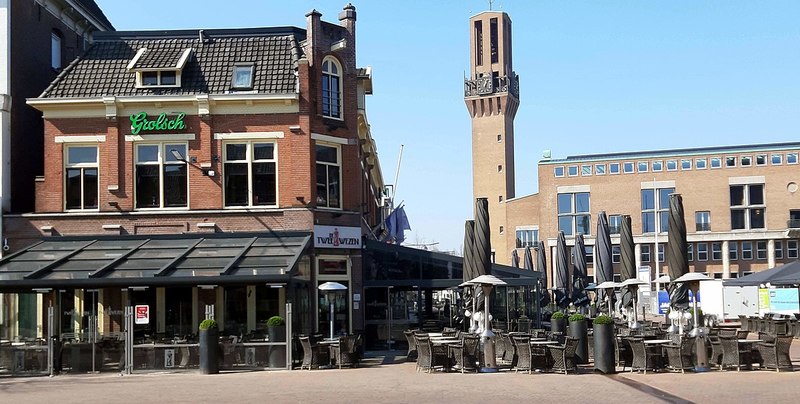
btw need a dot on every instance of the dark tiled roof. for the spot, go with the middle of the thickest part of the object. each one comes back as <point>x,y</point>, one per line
<point>102,70</point>
<point>165,58</point>
<point>94,10</point>
<point>678,152</point>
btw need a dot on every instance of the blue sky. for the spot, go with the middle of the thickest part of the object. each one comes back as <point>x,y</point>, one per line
<point>596,77</point>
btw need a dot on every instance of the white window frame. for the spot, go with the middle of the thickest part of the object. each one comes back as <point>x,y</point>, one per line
<point>574,214</point>
<point>586,170</point>
<point>572,171</point>
<point>335,111</point>
<point>327,164</point>
<point>161,163</point>
<point>778,249</point>
<point>761,252</point>
<point>627,164</point>
<point>686,164</point>
<point>734,159</point>
<point>774,157</point>
<point>701,164</point>
<point>249,160</point>
<point>611,168</point>
<point>715,161</point>
<point>791,156</point>
<point>747,250</point>
<point>616,254</point>
<point>656,210</point>
<point>791,249</point>
<point>140,78</point>
<point>248,66</point>
<point>673,164</point>
<point>599,169</point>
<point>556,169</point>
<point>702,252</point>
<point>643,166</point>
<point>702,214</point>
<point>716,251</point>
<point>733,250</point>
<point>761,156</point>
<point>660,164</point>
<point>645,252</point>
<point>526,237</point>
<point>690,251</point>
<point>82,167</point>
<point>749,160</point>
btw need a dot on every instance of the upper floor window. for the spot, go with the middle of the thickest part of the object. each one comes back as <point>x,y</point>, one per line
<point>329,177</point>
<point>791,158</point>
<point>614,224</point>
<point>613,168</point>
<point>627,167</point>
<point>161,176</point>
<point>527,238</point>
<point>761,250</point>
<point>573,213</point>
<point>716,251</point>
<point>658,165</point>
<point>733,250</point>
<point>791,249</point>
<point>747,250</point>
<point>558,171</point>
<point>616,255</point>
<point>645,255</point>
<point>747,206</point>
<point>690,251</point>
<point>716,162</point>
<point>777,159</point>
<point>250,170</point>
<point>600,169</point>
<point>702,252</point>
<point>586,170</point>
<point>642,166</point>
<point>778,249</point>
<point>700,164</point>
<point>672,165</point>
<point>702,219</point>
<point>572,171</point>
<point>55,50</point>
<point>746,161</point>
<point>242,76</point>
<point>331,89</point>
<point>160,78</point>
<point>655,208</point>
<point>686,164</point>
<point>730,161</point>
<point>81,186</point>
<point>761,159</point>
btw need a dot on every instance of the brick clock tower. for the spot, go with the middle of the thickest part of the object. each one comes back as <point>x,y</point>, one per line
<point>491,93</point>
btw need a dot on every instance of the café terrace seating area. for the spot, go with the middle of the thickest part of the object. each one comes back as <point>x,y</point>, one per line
<point>753,344</point>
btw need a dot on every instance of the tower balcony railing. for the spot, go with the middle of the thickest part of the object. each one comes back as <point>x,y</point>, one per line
<point>487,86</point>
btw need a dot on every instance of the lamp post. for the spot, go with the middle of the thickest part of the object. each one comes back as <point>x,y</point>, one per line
<point>694,279</point>
<point>330,289</point>
<point>487,282</point>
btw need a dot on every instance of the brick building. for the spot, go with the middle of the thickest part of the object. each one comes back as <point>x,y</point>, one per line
<point>224,167</point>
<point>742,209</point>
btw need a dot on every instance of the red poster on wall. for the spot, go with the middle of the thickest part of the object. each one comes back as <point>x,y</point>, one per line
<point>142,314</point>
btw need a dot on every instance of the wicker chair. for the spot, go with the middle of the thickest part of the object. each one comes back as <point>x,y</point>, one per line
<point>622,352</point>
<point>346,353</point>
<point>742,334</point>
<point>412,344</point>
<point>314,355</point>
<point>510,354</point>
<point>643,358</point>
<point>716,351</point>
<point>680,356</point>
<point>524,355</point>
<point>563,357</point>
<point>766,337</point>
<point>734,354</point>
<point>467,355</point>
<point>776,355</point>
<point>500,346</point>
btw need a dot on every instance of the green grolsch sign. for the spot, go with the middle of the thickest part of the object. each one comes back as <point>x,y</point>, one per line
<point>139,123</point>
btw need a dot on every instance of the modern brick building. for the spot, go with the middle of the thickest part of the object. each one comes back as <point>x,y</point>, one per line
<point>238,163</point>
<point>741,202</point>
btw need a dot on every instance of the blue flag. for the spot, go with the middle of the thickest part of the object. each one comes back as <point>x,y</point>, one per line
<point>396,225</point>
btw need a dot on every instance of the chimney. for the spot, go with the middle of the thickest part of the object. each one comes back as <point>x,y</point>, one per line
<point>347,18</point>
<point>313,28</point>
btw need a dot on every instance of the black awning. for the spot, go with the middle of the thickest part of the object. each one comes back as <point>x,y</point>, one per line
<point>158,260</point>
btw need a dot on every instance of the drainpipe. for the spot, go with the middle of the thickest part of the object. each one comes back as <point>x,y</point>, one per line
<point>5,109</point>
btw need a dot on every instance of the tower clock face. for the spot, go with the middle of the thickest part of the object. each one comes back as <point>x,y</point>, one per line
<point>485,85</point>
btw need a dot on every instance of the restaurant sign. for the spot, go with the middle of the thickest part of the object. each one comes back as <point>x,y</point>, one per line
<point>337,237</point>
<point>141,123</point>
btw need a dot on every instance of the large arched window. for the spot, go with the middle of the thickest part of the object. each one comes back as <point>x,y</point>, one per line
<point>331,88</point>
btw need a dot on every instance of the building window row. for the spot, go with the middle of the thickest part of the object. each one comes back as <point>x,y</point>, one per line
<point>574,214</point>
<point>680,164</point>
<point>249,175</point>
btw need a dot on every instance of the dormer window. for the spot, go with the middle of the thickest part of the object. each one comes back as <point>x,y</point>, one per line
<point>159,68</point>
<point>331,89</point>
<point>242,76</point>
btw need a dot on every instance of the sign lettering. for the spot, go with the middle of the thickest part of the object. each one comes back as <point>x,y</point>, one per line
<point>139,123</point>
<point>337,237</point>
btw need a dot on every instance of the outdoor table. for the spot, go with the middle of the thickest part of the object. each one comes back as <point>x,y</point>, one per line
<point>434,334</point>
<point>544,343</point>
<point>445,341</point>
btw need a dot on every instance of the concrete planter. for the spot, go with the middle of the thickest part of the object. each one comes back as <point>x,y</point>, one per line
<point>209,351</point>
<point>604,348</point>
<point>579,330</point>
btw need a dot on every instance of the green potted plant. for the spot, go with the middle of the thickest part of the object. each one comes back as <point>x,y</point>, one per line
<point>209,347</point>
<point>603,335</point>
<point>579,329</point>
<point>276,329</point>
<point>558,322</point>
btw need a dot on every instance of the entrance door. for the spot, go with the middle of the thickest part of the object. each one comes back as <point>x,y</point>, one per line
<point>389,311</point>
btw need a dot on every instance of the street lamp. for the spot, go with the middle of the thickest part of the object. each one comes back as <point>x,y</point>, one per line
<point>487,282</point>
<point>330,289</point>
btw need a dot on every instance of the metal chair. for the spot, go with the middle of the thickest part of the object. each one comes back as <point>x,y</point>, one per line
<point>412,344</point>
<point>716,351</point>
<point>346,353</point>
